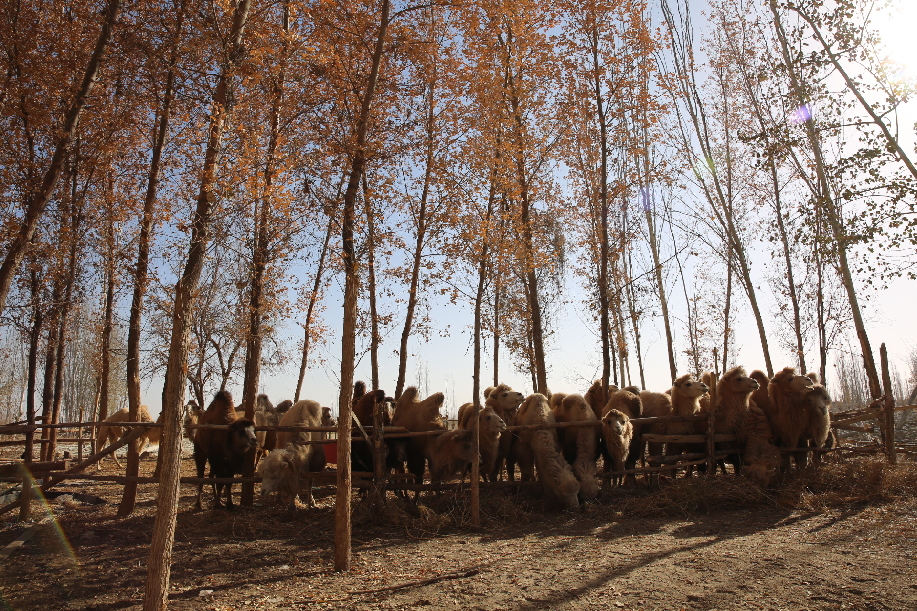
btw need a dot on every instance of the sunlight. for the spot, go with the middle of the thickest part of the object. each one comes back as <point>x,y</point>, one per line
<point>897,30</point>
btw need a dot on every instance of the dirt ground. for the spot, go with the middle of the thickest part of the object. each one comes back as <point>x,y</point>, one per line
<point>690,545</point>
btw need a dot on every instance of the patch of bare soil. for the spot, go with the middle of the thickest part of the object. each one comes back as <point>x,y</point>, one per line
<point>841,537</point>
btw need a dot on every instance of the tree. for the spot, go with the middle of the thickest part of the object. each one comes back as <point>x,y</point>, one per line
<point>157,582</point>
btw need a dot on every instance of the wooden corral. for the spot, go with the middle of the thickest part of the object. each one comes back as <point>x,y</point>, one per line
<point>45,475</point>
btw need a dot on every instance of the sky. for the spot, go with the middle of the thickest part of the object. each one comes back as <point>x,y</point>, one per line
<point>444,362</point>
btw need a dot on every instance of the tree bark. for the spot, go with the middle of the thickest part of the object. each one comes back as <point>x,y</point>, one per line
<point>525,221</point>
<point>310,311</point>
<point>38,201</point>
<point>260,262</point>
<point>156,593</point>
<point>830,209</point>
<point>418,249</point>
<point>374,335</point>
<point>342,543</point>
<point>34,339</point>
<point>141,279</point>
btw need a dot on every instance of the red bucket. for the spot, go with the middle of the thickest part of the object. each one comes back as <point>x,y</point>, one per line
<point>331,453</point>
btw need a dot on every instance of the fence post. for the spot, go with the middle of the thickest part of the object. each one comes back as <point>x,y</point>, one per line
<point>711,427</point>
<point>379,451</point>
<point>26,498</point>
<point>889,406</point>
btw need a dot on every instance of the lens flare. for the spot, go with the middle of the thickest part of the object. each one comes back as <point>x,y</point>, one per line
<point>52,520</point>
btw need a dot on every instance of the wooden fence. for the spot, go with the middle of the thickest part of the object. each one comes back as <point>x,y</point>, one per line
<point>54,472</point>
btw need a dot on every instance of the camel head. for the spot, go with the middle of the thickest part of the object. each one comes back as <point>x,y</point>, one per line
<point>616,421</point>
<point>687,386</point>
<point>818,400</point>
<point>790,382</point>
<point>736,382</point>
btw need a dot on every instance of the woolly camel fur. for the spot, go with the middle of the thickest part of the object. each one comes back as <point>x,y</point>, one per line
<point>618,432</point>
<point>580,444</point>
<point>736,415</point>
<point>539,448</point>
<point>788,415</point>
<point>450,455</point>
<point>505,402</point>
<point>225,450</point>
<point>630,404</point>
<point>418,416</point>
<point>286,469</point>
<point>490,427</point>
<point>596,397</point>
<point>817,432</point>
<point>110,432</point>
<point>364,406</point>
<point>265,415</point>
<point>683,399</point>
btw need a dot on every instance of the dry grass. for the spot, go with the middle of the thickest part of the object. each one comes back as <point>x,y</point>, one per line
<point>864,480</point>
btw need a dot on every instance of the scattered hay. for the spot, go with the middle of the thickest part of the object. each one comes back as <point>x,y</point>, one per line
<point>684,497</point>
<point>866,480</point>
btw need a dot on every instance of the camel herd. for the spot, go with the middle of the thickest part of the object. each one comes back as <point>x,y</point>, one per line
<point>790,412</point>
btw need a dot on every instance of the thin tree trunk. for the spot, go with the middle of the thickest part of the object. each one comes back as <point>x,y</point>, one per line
<point>719,201</point>
<point>496,338</point>
<point>660,287</point>
<point>47,392</point>
<point>342,548</point>
<point>831,212</point>
<point>727,309</point>
<point>64,317</point>
<point>374,337</point>
<point>260,255</point>
<point>39,200</point>
<point>525,213</point>
<point>107,325</point>
<point>141,279</point>
<point>476,376</point>
<point>310,311</point>
<point>156,594</point>
<point>34,339</point>
<point>631,298</point>
<point>794,298</point>
<point>418,248</point>
<point>605,329</point>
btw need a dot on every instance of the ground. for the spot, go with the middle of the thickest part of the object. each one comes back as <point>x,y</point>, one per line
<point>845,540</point>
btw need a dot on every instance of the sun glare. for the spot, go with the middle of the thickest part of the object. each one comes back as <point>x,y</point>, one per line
<point>898,30</point>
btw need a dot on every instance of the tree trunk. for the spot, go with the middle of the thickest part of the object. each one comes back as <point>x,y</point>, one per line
<point>156,594</point>
<point>528,246</point>
<point>496,338</point>
<point>310,311</point>
<point>47,392</point>
<point>831,211</point>
<point>720,202</point>
<point>342,549</point>
<point>160,133</point>
<point>260,255</point>
<point>663,300</point>
<point>605,330</point>
<point>727,309</point>
<point>34,339</point>
<point>374,337</point>
<point>418,250</point>
<point>37,203</point>
<point>107,325</point>
<point>794,298</point>
<point>476,376</point>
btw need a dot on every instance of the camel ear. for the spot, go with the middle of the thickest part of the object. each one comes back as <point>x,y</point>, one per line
<point>813,376</point>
